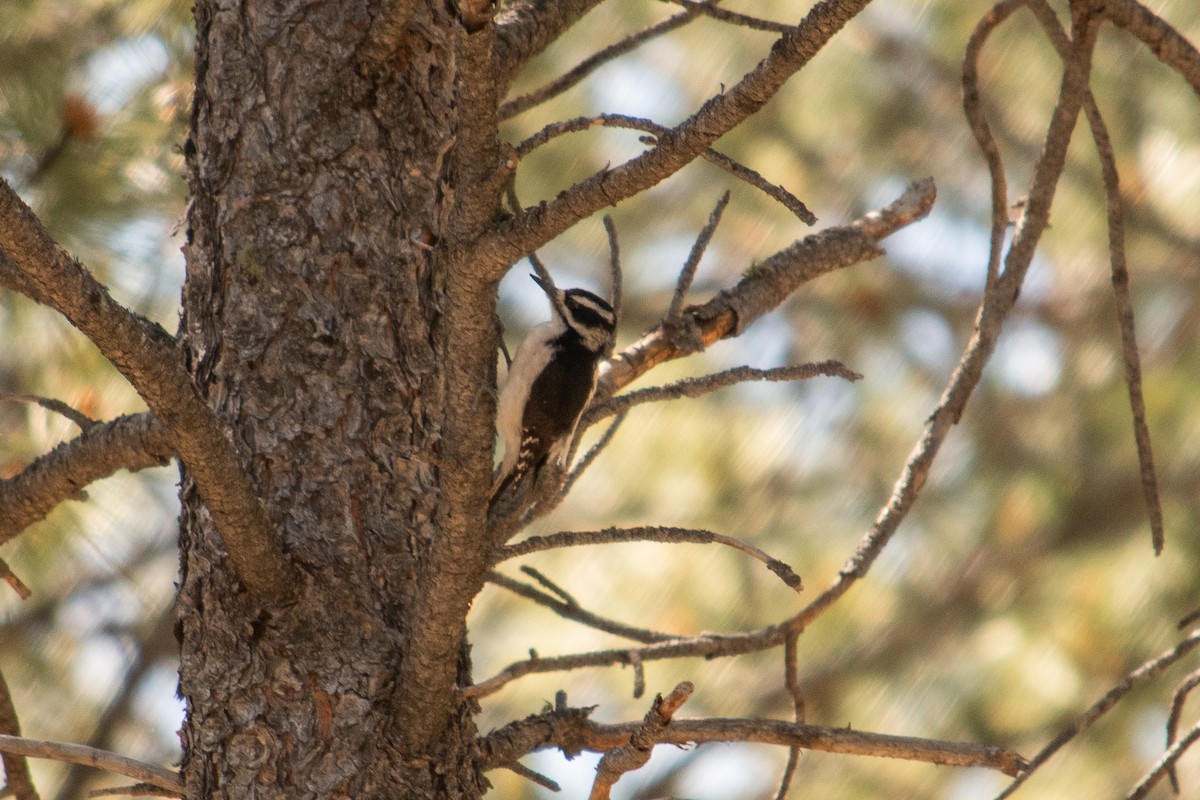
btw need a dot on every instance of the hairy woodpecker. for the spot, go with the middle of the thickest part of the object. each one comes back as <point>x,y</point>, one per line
<point>550,381</point>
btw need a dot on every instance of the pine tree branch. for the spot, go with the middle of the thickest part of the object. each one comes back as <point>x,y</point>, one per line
<point>16,769</point>
<point>715,157</point>
<point>501,248</point>
<point>32,263</point>
<point>571,731</point>
<point>527,27</point>
<point>1101,707</point>
<point>767,284</point>
<point>1167,44</point>
<point>132,442</point>
<point>636,752</point>
<point>573,76</point>
<point>79,754</point>
<point>57,406</point>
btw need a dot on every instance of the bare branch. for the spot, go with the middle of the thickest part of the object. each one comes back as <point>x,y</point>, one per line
<point>791,681</point>
<point>688,273</point>
<point>569,609</point>
<point>79,754</point>
<point>1164,764</point>
<point>32,263</point>
<point>998,301</point>
<point>734,168</point>
<point>534,777</point>
<point>527,27</point>
<point>589,457</point>
<point>16,768</point>
<point>498,250</point>
<point>636,753</point>
<point>1178,698</point>
<point>764,286</point>
<point>130,442</point>
<point>973,108</point>
<point>12,580</point>
<point>734,18</point>
<point>1120,279</point>
<point>667,535</point>
<point>50,404</point>
<point>593,62</point>
<point>136,790</point>
<point>696,387</point>
<point>1167,44</point>
<point>616,279</point>
<point>1098,709</point>
<point>571,731</point>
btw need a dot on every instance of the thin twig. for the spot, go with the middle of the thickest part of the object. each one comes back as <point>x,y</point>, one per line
<point>672,319</point>
<point>977,119</point>
<point>136,790</point>
<point>733,167</point>
<point>550,585</point>
<point>50,404</point>
<point>574,612</point>
<point>1098,709</point>
<point>1120,280</point>
<point>593,62</point>
<point>15,582</point>
<point>79,754</point>
<point>533,777</point>
<point>590,456</point>
<point>16,768</point>
<point>636,753</point>
<point>667,535</point>
<point>616,279</point>
<point>1178,698</point>
<point>1164,764</point>
<point>734,18</point>
<point>696,387</point>
<point>791,681</point>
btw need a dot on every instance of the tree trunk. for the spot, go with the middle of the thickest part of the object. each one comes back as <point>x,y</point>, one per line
<point>323,322</point>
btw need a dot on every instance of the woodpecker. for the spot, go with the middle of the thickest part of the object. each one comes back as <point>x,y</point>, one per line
<point>550,381</point>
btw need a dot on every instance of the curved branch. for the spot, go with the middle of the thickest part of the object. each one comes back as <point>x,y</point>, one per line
<point>131,442</point>
<point>1167,44</point>
<point>57,406</point>
<point>537,544</point>
<point>79,754</point>
<point>498,250</point>
<point>16,768</point>
<point>32,263</point>
<point>740,171</point>
<point>527,27</point>
<point>576,613</point>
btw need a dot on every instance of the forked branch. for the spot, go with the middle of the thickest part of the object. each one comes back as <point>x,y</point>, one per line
<point>32,263</point>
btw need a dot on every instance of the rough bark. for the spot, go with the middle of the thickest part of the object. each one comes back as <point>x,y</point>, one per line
<point>328,324</point>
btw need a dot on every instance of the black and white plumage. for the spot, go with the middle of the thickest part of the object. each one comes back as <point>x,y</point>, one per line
<point>550,381</point>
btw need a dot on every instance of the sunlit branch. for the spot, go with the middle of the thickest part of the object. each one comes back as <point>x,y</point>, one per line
<point>1098,709</point>
<point>571,731</point>
<point>131,442</point>
<point>79,754</point>
<point>57,406</point>
<point>574,612</point>
<point>593,62</point>
<point>636,752</point>
<point>667,535</point>
<point>734,168</point>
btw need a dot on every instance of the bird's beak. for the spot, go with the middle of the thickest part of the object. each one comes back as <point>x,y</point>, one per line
<point>549,288</point>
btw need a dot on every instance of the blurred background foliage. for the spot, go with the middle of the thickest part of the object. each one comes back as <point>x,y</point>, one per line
<point>1019,590</point>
